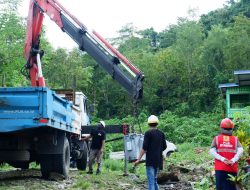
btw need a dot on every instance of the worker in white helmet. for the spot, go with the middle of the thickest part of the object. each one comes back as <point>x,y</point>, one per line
<point>153,145</point>
<point>97,147</point>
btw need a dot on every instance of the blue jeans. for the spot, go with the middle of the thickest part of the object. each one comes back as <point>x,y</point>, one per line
<point>152,178</point>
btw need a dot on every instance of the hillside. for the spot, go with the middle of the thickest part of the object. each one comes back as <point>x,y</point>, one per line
<point>183,66</point>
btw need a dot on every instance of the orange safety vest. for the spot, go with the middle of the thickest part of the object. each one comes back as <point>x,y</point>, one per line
<point>226,146</point>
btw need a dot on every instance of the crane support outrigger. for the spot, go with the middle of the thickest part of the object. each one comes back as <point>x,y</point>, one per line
<point>119,67</point>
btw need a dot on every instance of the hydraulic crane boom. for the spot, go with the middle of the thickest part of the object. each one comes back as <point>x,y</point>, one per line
<point>104,54</point>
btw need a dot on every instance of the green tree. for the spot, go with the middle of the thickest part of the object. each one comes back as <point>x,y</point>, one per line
<point>168,36</point>
<point>67,70</point>
<point>188,41</point>
<point>237,52</point>
<point>11,44</point>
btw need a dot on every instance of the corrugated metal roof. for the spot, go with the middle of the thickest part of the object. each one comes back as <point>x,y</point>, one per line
<point>242,72</point>
<point>242,77</point>
<point>228,85</point>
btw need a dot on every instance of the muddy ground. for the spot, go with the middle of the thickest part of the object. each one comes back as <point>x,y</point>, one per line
<point>31,179</point>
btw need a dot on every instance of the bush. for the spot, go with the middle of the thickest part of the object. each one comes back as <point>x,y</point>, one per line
<point>178,129</point>
<point>243,133</point>
<point>190,154</point>
<point>198,130</point>
<point>82,185</point>
<point>114,165</point>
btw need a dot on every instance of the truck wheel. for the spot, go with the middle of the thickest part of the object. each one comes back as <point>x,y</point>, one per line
<point>82,162</point>
<point>62,161</point>
<point>46,165</point>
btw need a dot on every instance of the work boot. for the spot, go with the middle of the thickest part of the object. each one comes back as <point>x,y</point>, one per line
<point>90,172</point>
<point>98,172</point>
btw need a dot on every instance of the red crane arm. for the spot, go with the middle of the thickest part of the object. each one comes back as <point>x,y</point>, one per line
<point>105,55</point>
<point>34,29</point>
<point>37,9</point>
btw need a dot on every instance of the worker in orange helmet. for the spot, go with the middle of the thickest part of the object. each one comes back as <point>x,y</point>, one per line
<point>226,150</point>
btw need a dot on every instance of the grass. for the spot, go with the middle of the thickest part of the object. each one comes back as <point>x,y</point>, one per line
<point>189,155</point>
<point>118,165</point>
<point>5,167</point>
<point>112,177</point>
<point>192,155</point>
<point>113,165</point>
<point>112,180</point>
<point>81,184</point>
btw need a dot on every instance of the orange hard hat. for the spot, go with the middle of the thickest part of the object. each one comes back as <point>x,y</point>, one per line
<point>226,124</point>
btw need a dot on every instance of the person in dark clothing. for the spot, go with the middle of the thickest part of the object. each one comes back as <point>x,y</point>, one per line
<point>97,146</point>
<point>153,145</point>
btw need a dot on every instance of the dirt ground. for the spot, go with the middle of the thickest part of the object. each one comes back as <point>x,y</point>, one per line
<point>31,179</point>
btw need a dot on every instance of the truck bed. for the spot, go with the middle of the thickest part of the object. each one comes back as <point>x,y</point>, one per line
<point>36,107</point>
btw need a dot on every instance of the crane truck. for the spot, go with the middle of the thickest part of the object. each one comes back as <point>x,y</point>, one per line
<point>39,125</point>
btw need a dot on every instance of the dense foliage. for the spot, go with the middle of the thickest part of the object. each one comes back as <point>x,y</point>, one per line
<point>197,130</point>
<point>11,44</point>
<point>183,64</point>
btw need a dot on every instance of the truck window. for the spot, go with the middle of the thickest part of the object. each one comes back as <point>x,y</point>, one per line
<point>239,100</point>
<point>85,105</point>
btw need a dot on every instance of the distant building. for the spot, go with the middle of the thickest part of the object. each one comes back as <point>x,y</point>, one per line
<point>237,94</point>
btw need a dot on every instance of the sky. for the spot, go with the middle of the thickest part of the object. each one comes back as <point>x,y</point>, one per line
<point>109,16</point>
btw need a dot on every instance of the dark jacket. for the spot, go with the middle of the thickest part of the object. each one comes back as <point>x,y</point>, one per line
<point>154,144</point>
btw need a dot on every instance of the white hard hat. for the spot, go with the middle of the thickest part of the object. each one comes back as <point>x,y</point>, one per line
<point>153,119</point>
<point>103,123</point>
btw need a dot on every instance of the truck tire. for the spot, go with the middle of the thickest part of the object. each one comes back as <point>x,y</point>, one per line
<point>62,161</point>
<point>81,163</point>
<point>46,165</point>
